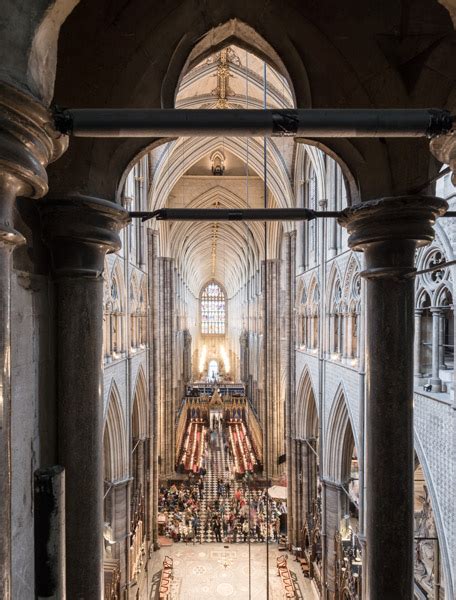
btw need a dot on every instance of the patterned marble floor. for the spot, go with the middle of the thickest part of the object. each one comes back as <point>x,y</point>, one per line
<point>211,571</point>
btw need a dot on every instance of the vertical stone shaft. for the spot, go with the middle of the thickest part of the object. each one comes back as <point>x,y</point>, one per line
<point>80,428</point>
<point>79,232</point>
<point>49,509</point>
<point>436,382</point>
<point>27,144</point>
<point>274,419</point>
<point>290,403</point>
<point>9,239</point>
<point>153,377</point>
<point>389,231</point>
<point>442,341</point>
<point>389,341</point>
<point>417,342</point>
<point>167,392</point>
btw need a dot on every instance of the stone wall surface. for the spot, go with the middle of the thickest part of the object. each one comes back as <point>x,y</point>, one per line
<point>33,414</point>
<point>435,433</point>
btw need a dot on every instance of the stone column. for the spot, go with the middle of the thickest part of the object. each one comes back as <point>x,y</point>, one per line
<point>166,347</point>
<point>273,420</point>
<point>442,341</point>
<point>305,504</point>
<point>154,383</point>
<point>290,397</point>
<point>435,381</point>
<point>351,320</point>
<point>79,232</point>
<point>27,144</point>
<point>417,343</point>
<point>388,231</point>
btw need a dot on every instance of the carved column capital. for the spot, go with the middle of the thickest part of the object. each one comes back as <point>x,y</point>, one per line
<point>443,147</point>
<point>80,231</point>
<point>394,226</point>
<point>396,218</point>
<point>28,143</point>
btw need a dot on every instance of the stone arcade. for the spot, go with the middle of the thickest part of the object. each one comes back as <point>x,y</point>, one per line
<point>287,387</point>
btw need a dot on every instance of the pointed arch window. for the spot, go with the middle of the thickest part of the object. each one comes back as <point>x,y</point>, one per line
<point>213,309</point>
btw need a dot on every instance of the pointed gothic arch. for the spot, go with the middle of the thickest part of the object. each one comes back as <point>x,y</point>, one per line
<point>140,407</point>
<point>341,439</point>
<point>307,417</point>
<point>114,438</point>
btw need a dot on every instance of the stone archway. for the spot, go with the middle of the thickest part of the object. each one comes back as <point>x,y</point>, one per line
<point>307,476</point>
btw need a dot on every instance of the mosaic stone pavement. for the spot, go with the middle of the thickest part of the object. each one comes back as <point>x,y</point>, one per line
<point>212,571</point>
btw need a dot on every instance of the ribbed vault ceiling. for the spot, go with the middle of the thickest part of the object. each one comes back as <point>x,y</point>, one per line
<point>232,252</point>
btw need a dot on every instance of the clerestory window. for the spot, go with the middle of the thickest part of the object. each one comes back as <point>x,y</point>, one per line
<point>213,309</point>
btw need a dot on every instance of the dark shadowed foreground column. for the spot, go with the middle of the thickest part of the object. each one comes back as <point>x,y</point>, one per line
<point>80,231</point>
<point>27,144</point>
<point>388,231</point>
<point>49,513</point>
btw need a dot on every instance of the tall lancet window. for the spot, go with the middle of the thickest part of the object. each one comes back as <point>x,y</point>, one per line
<point>213,309</point>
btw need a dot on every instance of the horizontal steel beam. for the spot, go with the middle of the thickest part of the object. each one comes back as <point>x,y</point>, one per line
<point>319,123</point>
<point>233,214</point>
<point>240,214</point>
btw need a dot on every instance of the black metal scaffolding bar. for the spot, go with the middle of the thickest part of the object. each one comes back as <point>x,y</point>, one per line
<point>241,214</point>
<point>320,123</point>
<point>233,214</point>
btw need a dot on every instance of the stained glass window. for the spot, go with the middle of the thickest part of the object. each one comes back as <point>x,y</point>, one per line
<point>213,309</point>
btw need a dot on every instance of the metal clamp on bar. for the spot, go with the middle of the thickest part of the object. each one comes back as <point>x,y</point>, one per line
<point>234,214</point>
<point>310,123</point>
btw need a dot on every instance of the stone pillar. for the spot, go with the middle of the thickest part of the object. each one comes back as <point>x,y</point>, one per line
<point>435,381</point>
<point>349,342</point>
<point>27,144</point>
<point>305,499</point>
<point>154,384</point>
<point>289,342</point>
<point>388,231</point>
<point>332,334</point>
<point>141,480</point>
<point>442,341</point>
<point>273,421</point>
<point>79,232</point>
<point>417,343</point>
<point>166,395</point>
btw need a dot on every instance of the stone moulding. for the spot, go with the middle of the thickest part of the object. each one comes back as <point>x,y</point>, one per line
<point>28,140</point>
